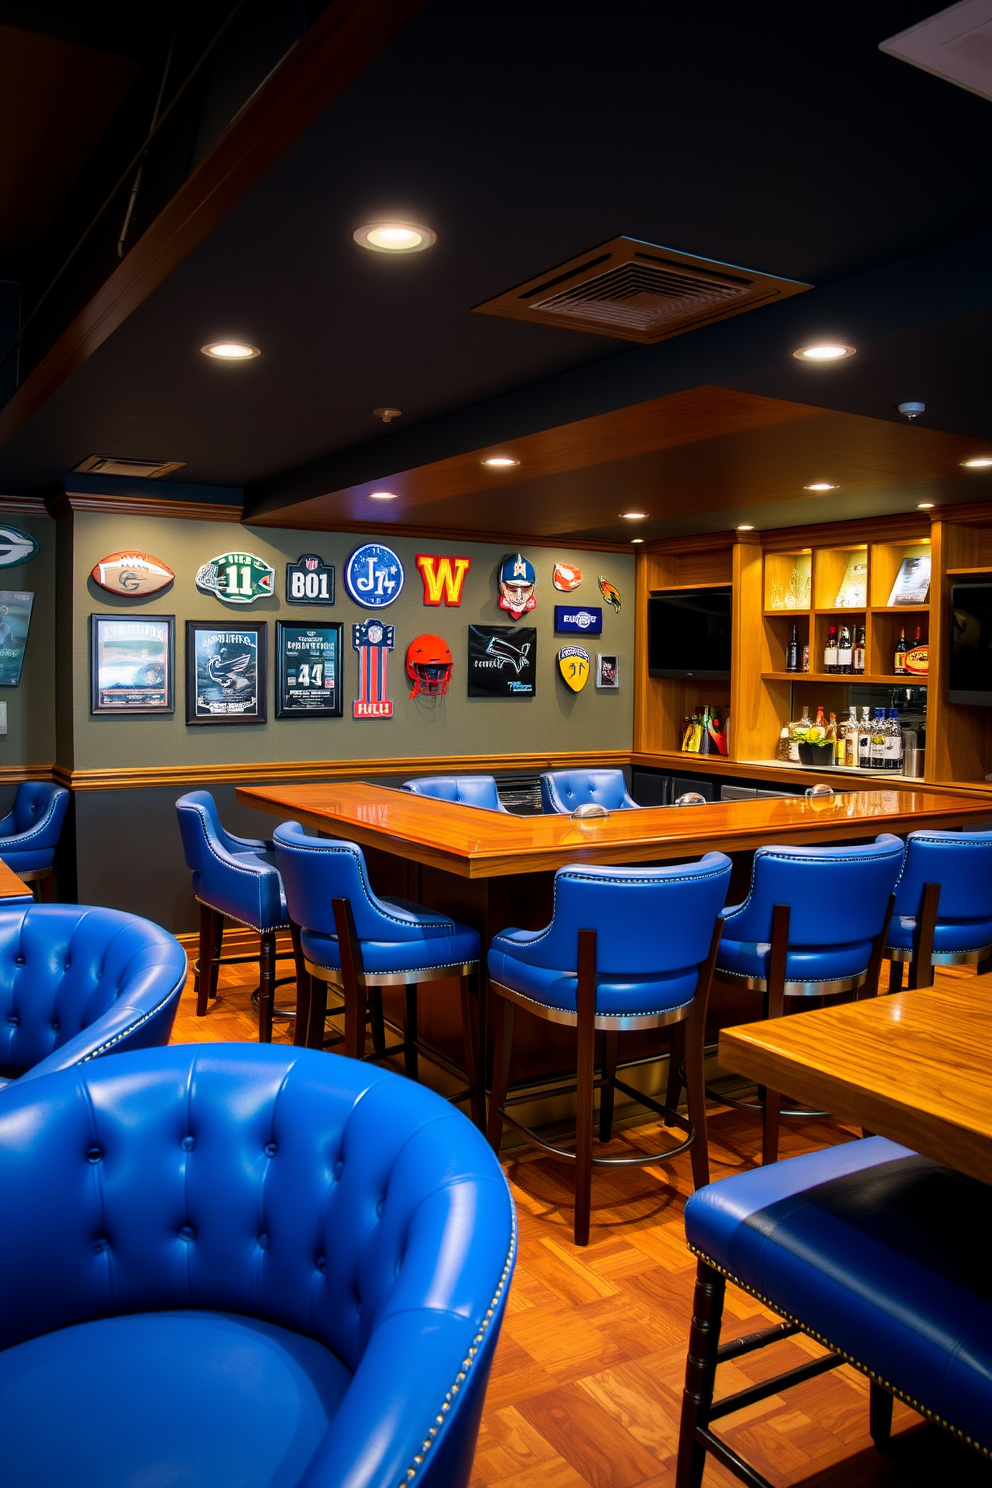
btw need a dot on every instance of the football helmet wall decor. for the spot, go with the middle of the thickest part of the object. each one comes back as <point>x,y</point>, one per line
<point>517,579</point>
<point>373,576</point>
<point>443,578</point>
<point>237,578</point>
<point>428,665</point>
<point>566,577</point>
<point>573,663</point>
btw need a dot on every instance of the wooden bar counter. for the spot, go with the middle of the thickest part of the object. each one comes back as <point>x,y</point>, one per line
<point>12,887</point>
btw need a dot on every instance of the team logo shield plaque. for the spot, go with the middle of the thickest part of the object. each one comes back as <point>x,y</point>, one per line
<point>573,663</point>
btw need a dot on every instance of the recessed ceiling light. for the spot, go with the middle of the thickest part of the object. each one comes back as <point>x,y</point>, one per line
<point>382,495</point>
<point>745,527</point>
<point>821,486</point>
<point>637,539</point>
<point>394,237</point>
<point>924,505</point>
<point>826,351</point>
<point>633,516</point>
<point>500,462</point>
<point>979,462</point>
<point>231,351</point>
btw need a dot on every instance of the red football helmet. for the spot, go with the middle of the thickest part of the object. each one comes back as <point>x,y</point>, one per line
<point>428,665</point>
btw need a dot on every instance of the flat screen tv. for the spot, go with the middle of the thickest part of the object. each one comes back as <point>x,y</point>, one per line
<point>971,644</point>
<point>689,633</point>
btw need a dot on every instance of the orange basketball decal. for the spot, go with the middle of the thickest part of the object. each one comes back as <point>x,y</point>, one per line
<point>443,577</point>
<point>131,573</point>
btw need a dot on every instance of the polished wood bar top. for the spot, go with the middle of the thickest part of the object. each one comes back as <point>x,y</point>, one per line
<point>915,1067</point>
<point>487,844</point>
<point>12,887</point>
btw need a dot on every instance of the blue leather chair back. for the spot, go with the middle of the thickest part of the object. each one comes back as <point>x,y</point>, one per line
<point>648,921</point>
<point>76,982</point>
<point>563,790</point>
<point>37,814</point>
<point>961,862</point>
<point>310,1191</point>
<point>837,895</point>
<point>469,790</point>
<point>316,871</point>
<point>236,875</point>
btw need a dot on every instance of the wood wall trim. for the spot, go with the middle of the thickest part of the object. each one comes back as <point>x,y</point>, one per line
<point>337,49</point>
<point>23,506</point>
<point>64,502</point>
<point>14,774</point>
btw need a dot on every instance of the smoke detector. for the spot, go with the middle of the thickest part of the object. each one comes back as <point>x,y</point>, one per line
<point>145,469</point>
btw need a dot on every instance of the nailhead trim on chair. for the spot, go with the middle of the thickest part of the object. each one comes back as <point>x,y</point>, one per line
<point>373,902</point>
<point>133,1028</point>
<point>252,873</point>
<point>24,838</point>
<point>466,1366</point>
<point>669,1014</point>
<point>848,1358</point>
<point>258,929</point>
<point>792,858</point>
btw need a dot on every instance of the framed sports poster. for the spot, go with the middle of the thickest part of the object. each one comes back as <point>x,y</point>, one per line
<point>225,672</point>
<point>608,672</point>
<point>132,664</point>
<point>502,660</point>
<point>15,619</point>
<point>308,670</point>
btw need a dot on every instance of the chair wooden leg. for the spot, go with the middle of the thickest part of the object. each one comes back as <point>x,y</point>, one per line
<point>921,966</point>
<point>585,1070</point>
<point>607,1091</point>
<point>352,979</point>
<point>502,1049</point>
<point>694,1039</point>
<point>318,1013</point>
<point>471,1003</point>
<point>700,1374</point>
<point>46,888</point>
<point>869,987</point>
<point>218,948</point>
<point>411,1059</point>
<point>376,1021</point>
<point>206,953</point>
<point>879,1414</point>
<point>676,1056</point>
<point>304,991</point>
<point>777,958</point>
<point>266,985</point>
<point>895,976</point>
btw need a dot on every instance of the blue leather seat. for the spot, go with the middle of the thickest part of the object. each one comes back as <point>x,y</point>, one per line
<point>627,948</point>
<point>234,877</point>
<point>813,925</point>
<point>357,941</point>
<point>866,1247</point>
<point>467,790</point>
<point>943,910</point>
<point>76,983</point>
<point>29,833</point>
<point>228,1264</point>
<point>563,790</point>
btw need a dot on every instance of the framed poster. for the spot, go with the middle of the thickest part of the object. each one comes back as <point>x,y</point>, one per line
<point>15,618</point>
<point>308,670</point>
<point>608,672</point>
<point>502,660</point>
<point>132,664</point>
<point>225,672</point>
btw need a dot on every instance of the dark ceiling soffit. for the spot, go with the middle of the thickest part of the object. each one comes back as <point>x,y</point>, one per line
<point>305,521</point>
<point>340,45</point>
<point>928,287</point>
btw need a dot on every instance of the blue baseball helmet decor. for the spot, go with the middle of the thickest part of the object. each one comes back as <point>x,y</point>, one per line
<point>373,576</point>
<point>517,578</point>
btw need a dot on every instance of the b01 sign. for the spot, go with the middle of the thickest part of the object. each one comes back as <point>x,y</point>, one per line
<point>309,581</point>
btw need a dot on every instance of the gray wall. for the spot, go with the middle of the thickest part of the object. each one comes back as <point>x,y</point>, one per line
<point>31,704</point>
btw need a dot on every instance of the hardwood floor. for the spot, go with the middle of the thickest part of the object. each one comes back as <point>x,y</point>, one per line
<point>587,1379</point>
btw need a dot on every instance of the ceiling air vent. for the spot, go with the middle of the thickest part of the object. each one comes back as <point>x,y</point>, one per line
<point>639,292</point>
<point>955,44</point>
<point>146,469</point>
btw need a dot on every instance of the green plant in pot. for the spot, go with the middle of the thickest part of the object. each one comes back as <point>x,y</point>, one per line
<point>814,746</point>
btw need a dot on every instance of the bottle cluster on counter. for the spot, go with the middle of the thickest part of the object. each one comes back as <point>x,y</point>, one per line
<point>705,733</point>
<point>865,743</point>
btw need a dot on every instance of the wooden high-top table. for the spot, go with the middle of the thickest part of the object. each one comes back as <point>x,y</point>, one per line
<point>12,887</point>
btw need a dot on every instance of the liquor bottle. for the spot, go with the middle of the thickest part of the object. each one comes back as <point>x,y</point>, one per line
<point>893,742</point>
<point>819,721</point>
<point>686,734</point>
<point>792,651</point>
<point>851,738</point>
<point>806,657</point>
<point>859,651</point>
<point>706,745</point>
<point>845,651</point>
<point>830,651</point>
<point>783,750</point>
<point>697,728</point>
<point>864,740</point>
<point>901,649</point>
<point>836,737</point>
<point>876,760</point>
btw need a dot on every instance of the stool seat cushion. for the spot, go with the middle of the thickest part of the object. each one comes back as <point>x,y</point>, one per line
<point>949,936</point>
<point>205,1399</point>
<point>617,995</point>
<point>880,1253</point>
<point>440,941</point>
<point>748,958</point>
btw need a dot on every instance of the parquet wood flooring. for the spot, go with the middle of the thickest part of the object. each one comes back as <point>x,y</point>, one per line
<point>587,1378</point>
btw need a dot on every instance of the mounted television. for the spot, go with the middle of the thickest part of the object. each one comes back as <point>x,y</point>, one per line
<point>689,633</point>
<point>971,643</point>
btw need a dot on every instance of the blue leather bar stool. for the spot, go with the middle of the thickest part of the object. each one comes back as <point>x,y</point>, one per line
<point>258,1266</point>
<point>865,1247</point>
<point>943,910</point>
<point>359,943</point>
<point>627,948</point>
<point>563,790</point>
<point>77,983</point>
<point>234,877</point>
<point>29,833</point>
<point>469,790</point>
<point>814,924</point>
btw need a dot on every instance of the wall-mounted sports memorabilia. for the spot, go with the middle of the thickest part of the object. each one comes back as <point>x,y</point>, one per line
<point>309,581</point>
<point>428,665</point>
<point>578,620</point>
<point>225,672</point>
<point>132,664</point>
<point>308,670</point>
<point>16,546</point>
<point>566,577</point>
<point>517,578</point>
<point>573,663</point>
<point>610,593</point>
<point>237,578</point>
<point>373,641</point>
<point>502,661</point>
<point>373,576</point>
<point>133,574</point>
<point>15,619</point>
<point>608,672</point>
<point>443,578</point>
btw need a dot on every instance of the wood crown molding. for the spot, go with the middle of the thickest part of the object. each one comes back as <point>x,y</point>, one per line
<point>64,502</point>
<point>902,527</point>
<point>23,506</point>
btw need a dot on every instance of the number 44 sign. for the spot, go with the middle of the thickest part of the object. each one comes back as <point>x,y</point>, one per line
<point>237,578</point>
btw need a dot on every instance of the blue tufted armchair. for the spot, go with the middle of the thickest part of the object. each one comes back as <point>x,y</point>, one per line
<point>77,982</point>
<point>467,790</point>
<point>563,790</point>
<point>29,833</point>
<point>255,1265</point>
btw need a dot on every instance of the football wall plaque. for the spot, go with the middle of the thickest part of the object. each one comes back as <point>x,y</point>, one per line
<point>373,641</point>
<point>578,620</point>
<point>225,672</point>
<point>443,578</point>
<point>133,574</point>
<point>502,661</point>
<point>309,581</point>
<point>16,546</point>
<point>566,577</point>
<point>373,576</point>
<point>237,578</point>
<point>308,670</point>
